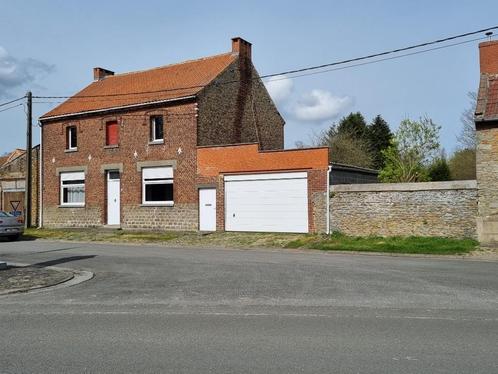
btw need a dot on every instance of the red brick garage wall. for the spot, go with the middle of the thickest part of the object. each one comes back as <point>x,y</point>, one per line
<point>214,162</point>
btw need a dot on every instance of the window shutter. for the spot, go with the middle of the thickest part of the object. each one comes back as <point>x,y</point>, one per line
<point>112,133</point>
<point>158,172</point>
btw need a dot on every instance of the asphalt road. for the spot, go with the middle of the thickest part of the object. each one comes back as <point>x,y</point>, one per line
<point>152,309</point>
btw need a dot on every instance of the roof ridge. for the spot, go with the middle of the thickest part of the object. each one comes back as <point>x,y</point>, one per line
<point>169,65</point>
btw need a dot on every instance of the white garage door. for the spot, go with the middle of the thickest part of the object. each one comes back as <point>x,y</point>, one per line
<point>272,202</point>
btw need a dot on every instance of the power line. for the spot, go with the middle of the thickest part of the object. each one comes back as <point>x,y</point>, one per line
<point>12,101</point>
<point>302,70</point>
<point>10,107</point>
<point>382,59</point>
<point>438,41</point>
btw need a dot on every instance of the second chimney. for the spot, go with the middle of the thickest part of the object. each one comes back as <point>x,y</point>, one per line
<point>101,73</point>
<point>488,56</point>
<point>242,47</point>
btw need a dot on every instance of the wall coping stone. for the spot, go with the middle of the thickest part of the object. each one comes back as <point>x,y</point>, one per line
<point>391,187</point>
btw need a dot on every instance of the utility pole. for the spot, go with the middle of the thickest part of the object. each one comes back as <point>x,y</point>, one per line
<point>29,171</point>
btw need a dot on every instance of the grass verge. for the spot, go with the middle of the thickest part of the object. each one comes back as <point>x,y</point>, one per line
<point>334,242</point>
<point>412,244</point>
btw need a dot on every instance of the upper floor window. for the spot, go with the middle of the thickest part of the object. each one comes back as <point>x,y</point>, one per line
<point>112,133</point>
<point>71,138</point>
<point>156,129</point>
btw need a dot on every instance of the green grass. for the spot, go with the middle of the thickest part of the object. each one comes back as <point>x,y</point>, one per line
<point>334,242</point>
<point>412,244</point>
<point>100,235</point>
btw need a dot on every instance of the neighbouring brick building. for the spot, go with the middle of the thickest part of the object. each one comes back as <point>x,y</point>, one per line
<point>486,119</point>
<point>13,182</point>
<point>125,151</point>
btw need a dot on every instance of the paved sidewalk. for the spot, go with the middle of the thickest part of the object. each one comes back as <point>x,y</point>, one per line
<point>24,278</point>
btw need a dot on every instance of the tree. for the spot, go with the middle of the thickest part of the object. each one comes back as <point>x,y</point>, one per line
<point>344,147</point>
<point>463,164</point>
<point>467,136</point>
<point>353,124</point>
<point>379,137</point>
<point>439,169</point>
<point>413,148</point>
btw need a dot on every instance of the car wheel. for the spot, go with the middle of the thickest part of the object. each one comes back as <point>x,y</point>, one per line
<point>13,237</point>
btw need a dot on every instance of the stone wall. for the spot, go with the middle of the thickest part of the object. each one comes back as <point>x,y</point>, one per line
<point>444,209</point>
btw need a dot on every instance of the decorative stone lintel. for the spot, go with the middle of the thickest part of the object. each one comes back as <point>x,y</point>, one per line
<point>65,169</point>
<point>155,163</point>
<point>106,167</point>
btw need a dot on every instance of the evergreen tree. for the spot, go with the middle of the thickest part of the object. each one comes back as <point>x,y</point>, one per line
<point>379,137</point>
<point>353,124</point>
<point>439,170</point>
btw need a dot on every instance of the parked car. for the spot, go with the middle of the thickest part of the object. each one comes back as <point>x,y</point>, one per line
<point>10,226</point>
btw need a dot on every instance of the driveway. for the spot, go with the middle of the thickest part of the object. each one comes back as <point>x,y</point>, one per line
<point>152,309</point>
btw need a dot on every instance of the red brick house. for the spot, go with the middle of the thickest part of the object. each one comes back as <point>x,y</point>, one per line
<point>125,150</point>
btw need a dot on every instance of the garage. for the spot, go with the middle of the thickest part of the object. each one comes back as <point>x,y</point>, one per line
<point>267,202</point>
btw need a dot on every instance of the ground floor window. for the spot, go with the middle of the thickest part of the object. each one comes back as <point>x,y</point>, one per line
<point>157,185</point>
<point>73,188</point>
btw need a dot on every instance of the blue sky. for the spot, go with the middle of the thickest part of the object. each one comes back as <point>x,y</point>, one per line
<point>51,47</point>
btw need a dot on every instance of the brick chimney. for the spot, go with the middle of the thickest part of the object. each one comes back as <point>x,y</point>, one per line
<point>242,47</point>
<point>488,56</point>
<point>101,73</point>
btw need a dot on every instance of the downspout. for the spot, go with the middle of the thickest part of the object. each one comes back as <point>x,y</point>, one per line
<point>40,177</point>
<point>328,199</point>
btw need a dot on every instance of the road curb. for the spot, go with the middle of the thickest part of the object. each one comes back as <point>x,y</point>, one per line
<point>77,277</point>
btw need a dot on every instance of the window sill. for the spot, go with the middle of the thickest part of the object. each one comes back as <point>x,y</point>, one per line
<point>156,142</point>
<point>71,206</point>
<point>71,150</point>
<point>111,146</point>
<point>157,204</point>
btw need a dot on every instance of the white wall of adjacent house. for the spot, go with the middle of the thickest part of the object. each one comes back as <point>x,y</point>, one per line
<point>269,202</point>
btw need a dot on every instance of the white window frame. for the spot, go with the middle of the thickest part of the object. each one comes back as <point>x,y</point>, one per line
<point>152,129</point>
<point>72,176</point>
<point>70,146</point>
<point>157,175</point>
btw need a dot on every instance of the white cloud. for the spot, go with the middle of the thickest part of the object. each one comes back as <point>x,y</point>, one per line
<point>18,72</point>
<point>280,88</point>
<point>320,105</point>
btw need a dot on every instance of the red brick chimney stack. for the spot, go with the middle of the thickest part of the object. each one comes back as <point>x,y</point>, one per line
<point>101,73</point>
<point>488,56</point>
<point>242,47</point>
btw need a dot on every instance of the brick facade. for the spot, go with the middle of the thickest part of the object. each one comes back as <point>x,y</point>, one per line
<point>239,112</point>
<point>179,147</point>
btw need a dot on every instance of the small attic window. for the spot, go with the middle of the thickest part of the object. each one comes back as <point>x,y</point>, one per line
<point>156,129</point>
<point>71,138</point>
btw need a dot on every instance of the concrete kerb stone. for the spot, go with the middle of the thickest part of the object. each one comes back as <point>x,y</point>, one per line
<point>78,276</point>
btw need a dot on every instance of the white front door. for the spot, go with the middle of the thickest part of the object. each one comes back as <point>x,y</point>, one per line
<point>207,209</point>
<point>113,198</point>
